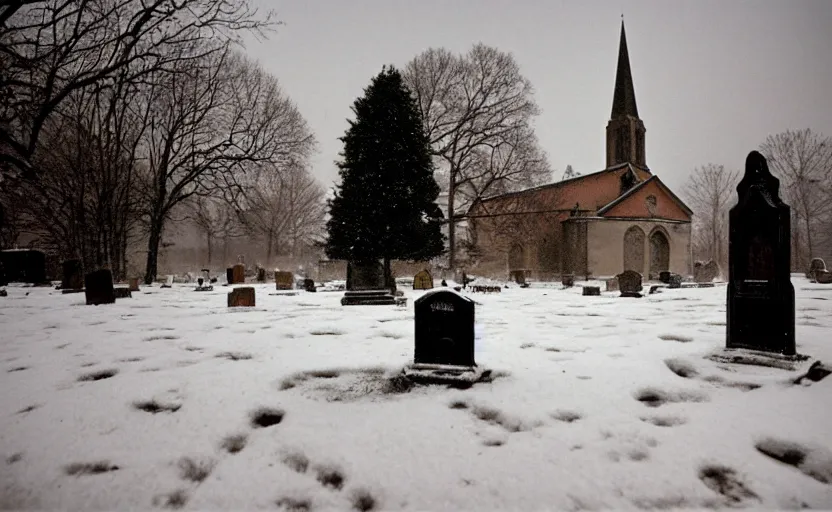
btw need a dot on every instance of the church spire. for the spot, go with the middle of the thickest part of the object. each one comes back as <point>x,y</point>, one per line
<point>624,100</point>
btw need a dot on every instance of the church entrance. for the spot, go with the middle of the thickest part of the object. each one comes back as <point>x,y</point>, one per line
<point>634,249</point>
<point>659,254</point>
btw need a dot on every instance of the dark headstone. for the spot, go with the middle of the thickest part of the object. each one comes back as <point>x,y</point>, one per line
<point>664,276</point>
<point>422,280</point>
<point>591,291</point>
<point>444,283</point>
<point>612,284</point>
<point>816,266</point>
<point>518,276</point>
<point>73,275</point>
<point>261,275</point>
<point>675,281</point>
<point>568,280</point>
<point>229,275</point>
<point>122,292</point>
<point>24,266</point>
<point>98,287</point>
<point>242,296</point>
<point>365,276</point>
<point>823,277</point>
<point>3,280</point>
<point>760,312</point>
<point>309,285</point>
<point>629,282</point>
<point>705,272</point>
<point>444,329</point>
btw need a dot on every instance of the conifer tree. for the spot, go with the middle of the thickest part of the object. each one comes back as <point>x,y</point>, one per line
<point>385,207</point>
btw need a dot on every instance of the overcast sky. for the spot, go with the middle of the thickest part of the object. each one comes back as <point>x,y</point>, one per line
<point>713,78</point>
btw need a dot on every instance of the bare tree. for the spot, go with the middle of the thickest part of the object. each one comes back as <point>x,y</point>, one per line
<point>214,119</point>
<point>286,209</point>
<point>711,191</point>
<point>50,49</point>
<point>470,104</point>
<point>216,219</point>
<point>803,161</point>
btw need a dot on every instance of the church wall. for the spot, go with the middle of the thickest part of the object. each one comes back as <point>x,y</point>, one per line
<point>636,205</point>
<point>605,245</point>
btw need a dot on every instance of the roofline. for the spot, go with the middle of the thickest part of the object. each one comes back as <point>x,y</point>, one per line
<point>618,200</point>
<point>628,219</point>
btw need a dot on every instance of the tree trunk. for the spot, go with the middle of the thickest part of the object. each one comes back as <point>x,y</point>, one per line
<point>451,223</point>
<point>269,242</point>
<point>210,247</point>
<point>153,243</point>
<point>809,238</point>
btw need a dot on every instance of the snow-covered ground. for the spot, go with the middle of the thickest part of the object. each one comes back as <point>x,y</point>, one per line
<point>600,403</point>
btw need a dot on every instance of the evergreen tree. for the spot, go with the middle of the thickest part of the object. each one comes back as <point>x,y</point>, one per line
<point>385,207</point>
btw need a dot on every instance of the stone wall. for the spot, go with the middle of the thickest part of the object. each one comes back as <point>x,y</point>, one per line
<point>605,249</point>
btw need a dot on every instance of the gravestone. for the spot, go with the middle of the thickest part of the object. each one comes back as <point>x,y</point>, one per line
<point>239,273</point>
<point>823,277</point>
<point>133,284</point>
<point>760,312</point>
<point>591,291</point>
<point>675,281</point>
<point>229,275</point>
<point>705,272</point>
<point>816,266</point>
<point>422,280</point>
<point>3,281</point>
<point>24,266</point>
<point>629,282</point>
<point>664,276</point>
<point>568,280</point>
<point>242,296</point>
<point>73,275</point>
<point>309,285</point>
<point>122,292</point>
<point>367,286</point>
<point>261,275</point>
<point>612,284</point>
<point>284,280</point>
<point>444,329</point>
<point>518,276</point>
<point>98,287</point>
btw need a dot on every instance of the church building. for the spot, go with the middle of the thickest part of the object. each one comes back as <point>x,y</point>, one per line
<point>598,225</point>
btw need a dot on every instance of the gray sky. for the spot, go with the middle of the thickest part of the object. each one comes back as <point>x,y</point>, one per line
<point>713,78</point>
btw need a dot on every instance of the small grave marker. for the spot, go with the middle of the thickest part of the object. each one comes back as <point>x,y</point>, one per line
<point>422,280</point>
<point>261,275</point>
<point>229,275</point>
<point>761,310</point>
<point>242,296</point>
<point>122,292</point>
<point>98,287</point>
<point>309,285</point>
<point>73,275</point>
<point>284,280</point>
<point>568,280</point>
<point>675,281</point>
<point>612,284</point>
<point>591,291</point>
<point>629,283</point>
<point>133,284</point>
<point>705,272</point>
<point>239,273</point>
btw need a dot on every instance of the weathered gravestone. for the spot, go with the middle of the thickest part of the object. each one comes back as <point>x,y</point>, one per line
<point>664,276</point>
<point>367,285</point>
<point>818,272</point>
<point>261,275</point>
<point>422,280</point>
<point>122,292</point>
<point>242,296</point>
<point>760,312</point>
<point>675,281</point>
<point>444,329</point>
<point>518,276</point>
<point>73,275</point>
<point>591,291</point>
<point>612,284</point>
<point>98,287</point>
<point>309,285</point>
<point>705,272</point>
<point>133,284</point>
<point>629,282</point>
<point>3,281</point>
<point>568,280</point>
<point>239,273</point>
<point>284,280</point>
<point>24,265</point>
<point>229,275</point>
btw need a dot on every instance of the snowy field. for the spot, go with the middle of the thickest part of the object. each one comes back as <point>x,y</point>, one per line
<point>171,400</point>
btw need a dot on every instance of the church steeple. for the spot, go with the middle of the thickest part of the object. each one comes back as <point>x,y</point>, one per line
<point>625,131</point>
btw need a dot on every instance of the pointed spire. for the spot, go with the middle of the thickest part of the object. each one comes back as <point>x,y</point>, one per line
<point>624,98</point>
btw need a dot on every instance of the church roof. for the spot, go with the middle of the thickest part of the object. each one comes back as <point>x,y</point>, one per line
<point>653,179</point>
<point>624,98</point>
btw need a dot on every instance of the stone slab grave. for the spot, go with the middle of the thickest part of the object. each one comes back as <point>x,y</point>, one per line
<point>761,310</point>
<point>591,291</point>
<point>238,272</point>
<point>24,266</point>
<point>133,284</point>
<point>242,296</point>
<point>629,282</point>
<point>422,280</point>
<point>367,286</point>
<point>122,292</point>
<point>284,280</point>
<point>444,340</point>
<point>72,279</point>
<point>98,287</point>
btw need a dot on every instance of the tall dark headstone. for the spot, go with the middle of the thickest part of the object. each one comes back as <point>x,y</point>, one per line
<point>367,285</point>
<point>444,329</point>
<point>24,265</point>
<point>98,287</point>
<point>73,275</point>
<point>229,275</point>
<point>760,293</point>
<point>3,280</point>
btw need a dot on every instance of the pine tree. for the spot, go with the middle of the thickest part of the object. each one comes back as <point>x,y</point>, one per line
<point>385,207</point>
